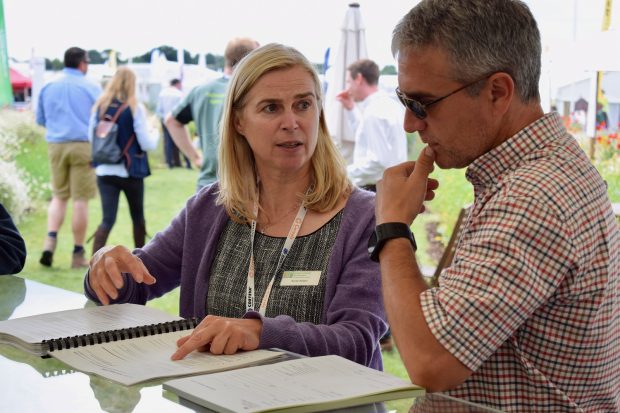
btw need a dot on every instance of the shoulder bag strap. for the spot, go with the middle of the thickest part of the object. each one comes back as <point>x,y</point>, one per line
<point>129,142</point>
<point>126,151</point>
<point>118,112</point>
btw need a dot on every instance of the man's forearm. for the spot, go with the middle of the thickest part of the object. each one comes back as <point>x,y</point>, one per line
<point>428,363</point>
<point>181,138</point>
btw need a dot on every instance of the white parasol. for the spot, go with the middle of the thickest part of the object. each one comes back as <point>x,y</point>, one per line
<point>352,47</point>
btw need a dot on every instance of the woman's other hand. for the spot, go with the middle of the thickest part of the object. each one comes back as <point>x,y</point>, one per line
<point>106,266</point>
<point>221,335</point>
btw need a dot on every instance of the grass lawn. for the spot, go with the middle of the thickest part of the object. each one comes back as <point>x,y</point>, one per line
<point>166,192</point>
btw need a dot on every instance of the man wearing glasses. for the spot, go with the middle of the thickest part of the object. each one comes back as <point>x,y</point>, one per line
<point>64,110</point>
<point>526,318</point>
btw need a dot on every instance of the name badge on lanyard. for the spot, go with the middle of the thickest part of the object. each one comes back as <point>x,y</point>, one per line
<point>250,302</point>
<point>300,278</point>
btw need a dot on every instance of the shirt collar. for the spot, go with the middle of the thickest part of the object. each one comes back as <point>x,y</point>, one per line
<point>490,166</point>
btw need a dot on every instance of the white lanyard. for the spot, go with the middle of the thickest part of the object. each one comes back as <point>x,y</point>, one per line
<point>292,234</point>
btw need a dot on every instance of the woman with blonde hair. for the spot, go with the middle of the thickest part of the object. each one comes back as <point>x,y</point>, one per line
<point>275,253</point>
<point>118,104</point>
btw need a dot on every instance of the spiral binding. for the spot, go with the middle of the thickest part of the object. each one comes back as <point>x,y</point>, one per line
<point>118,335</point>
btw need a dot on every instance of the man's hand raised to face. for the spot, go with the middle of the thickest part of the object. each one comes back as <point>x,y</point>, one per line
<point>404,188</point>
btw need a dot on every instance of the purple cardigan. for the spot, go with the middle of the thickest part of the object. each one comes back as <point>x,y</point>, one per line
<point>353,317</point>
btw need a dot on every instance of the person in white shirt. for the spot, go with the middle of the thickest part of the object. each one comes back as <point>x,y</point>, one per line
<point>380,140</point>
<point>168,99</point>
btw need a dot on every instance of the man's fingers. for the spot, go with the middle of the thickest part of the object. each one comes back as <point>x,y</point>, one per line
<point>424,164</point>
<point>432,184</point>
<point>402,169</point>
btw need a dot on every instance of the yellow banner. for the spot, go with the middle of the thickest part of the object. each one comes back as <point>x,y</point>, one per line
<point>607,15</point>
<point>112,60</point>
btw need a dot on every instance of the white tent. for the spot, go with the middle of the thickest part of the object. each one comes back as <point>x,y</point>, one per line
<point>569,94</point>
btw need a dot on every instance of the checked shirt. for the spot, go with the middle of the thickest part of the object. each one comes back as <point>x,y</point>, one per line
<point>531,301</point>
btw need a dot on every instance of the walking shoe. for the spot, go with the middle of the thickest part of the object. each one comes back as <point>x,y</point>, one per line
<point>49,246</point>
<point>46,258</point>
<point>78,260</point>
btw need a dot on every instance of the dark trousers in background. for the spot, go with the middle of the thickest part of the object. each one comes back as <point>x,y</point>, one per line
<point>171,151</point>
<point>110,188</point>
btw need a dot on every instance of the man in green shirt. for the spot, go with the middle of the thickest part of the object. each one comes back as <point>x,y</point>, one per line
<point>204,106</point>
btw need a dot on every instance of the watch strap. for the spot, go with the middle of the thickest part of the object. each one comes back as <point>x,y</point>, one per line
<point>387,231</point>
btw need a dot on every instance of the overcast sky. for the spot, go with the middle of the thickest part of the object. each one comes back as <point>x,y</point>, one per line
<point>135,26</point>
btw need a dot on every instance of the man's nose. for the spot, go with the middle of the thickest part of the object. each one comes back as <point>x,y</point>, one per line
<point>412,123</point>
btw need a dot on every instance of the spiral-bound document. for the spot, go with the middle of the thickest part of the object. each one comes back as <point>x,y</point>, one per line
<point>126,343</point>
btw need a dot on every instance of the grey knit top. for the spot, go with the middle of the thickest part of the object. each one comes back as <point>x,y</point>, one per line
<point>229,272</point>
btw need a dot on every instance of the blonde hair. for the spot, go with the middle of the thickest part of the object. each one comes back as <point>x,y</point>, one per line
<point>237,172</point>
<point>122,86</point>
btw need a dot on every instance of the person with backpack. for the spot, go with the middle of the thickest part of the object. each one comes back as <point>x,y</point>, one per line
<point>120,138</point>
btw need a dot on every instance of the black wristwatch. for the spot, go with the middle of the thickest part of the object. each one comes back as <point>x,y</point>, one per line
<point>387,231</point>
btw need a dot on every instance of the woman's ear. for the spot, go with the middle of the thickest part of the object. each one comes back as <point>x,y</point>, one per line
<point>238,122</point>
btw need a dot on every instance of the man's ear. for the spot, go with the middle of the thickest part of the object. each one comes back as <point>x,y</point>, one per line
<point>359,79</point>
<point>502,90</point>
<point>83,66</point>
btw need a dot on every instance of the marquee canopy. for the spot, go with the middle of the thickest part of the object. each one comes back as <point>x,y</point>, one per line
<point>19,81</point>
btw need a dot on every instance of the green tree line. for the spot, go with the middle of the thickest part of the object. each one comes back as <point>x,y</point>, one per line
<point>212,61</point>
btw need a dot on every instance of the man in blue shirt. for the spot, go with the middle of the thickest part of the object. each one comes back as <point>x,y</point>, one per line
<point>64,110</point>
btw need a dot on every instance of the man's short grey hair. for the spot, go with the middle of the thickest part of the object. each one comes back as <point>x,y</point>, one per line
<point>480,37</point>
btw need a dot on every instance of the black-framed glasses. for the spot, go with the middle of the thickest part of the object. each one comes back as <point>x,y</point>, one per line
<point>419,109</point>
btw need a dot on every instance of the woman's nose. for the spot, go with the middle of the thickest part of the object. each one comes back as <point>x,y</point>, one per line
<point>289,120</point>
<point>412,123</point>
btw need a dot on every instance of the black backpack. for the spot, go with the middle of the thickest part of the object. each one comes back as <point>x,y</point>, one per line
<point>105,148</point>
